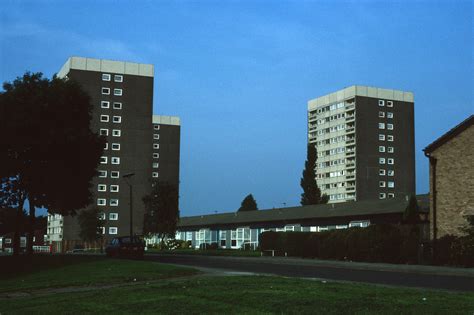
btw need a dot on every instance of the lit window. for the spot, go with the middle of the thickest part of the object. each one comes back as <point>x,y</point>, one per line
<point>391,195</point>
<point>389,103</point>
<point>101,187</point>
<point>391,161</point>
<point>381,160</point>
<point>117,119</point>
<point>102,174</point>
<point>113,216</point>
<point>381,184</point>
<point>116,133</point>
<point>381,137</point>
<point>113,230</point>
<point>381,148</point>
<point>381,126</point>
<point>390,126</point>
<point>390,150</point>
<point>154,174</point>
<point>391,172</point>
<point>381,103</point>
<point>382,196</point>
<point>117,105</point>
<point>118,78</point>
<point>116,146</point>
<point>156,146</point>
<point>114,174</point>
<point>104,104</point>
<point>381,171</point>
<point>115,160</point>
<point>156,155</point>
<point>156,136</point>
<point>118,92</point>
<point>101,202</point>
<point>114,202</point>
<point>381,114</point>
<point>105,77</point>
<point>390,138</point>
<point>104,132</point>
<point>105,91</point>
<point>103,160</point>
<point>391,184</point>
<point>389,115</point>
<point>155,165</point>
<point>104,118</point>
<point>114,188</point>
<point>156,127</point>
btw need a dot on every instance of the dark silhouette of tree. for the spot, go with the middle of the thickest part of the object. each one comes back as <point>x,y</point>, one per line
<point>161,210</point>
<point>248,204</point>
<point>90,225</point>
<point>50,155</point>
<point>411,214</point>
<point>311,193</point>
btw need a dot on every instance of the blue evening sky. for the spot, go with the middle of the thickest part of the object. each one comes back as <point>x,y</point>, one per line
<point>240,73</point>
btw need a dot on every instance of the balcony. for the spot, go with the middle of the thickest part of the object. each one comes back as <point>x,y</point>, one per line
<point>350,129</point>
<point>350,106</point>
<point>349,177</point>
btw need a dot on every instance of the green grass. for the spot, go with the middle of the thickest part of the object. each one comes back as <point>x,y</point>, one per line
<point>42,271</point>
<point>247,295</point>
<point>217,252</point>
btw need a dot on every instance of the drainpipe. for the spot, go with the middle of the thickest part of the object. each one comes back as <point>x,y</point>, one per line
<point>434,196</point>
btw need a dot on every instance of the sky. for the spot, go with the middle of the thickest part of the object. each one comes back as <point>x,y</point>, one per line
<point>240,74</point>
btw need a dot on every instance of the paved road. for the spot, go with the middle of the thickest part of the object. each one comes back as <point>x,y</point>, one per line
<point>408,276</point>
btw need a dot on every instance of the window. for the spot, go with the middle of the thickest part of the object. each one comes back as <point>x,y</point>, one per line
<point>116,133</point>
<point>101,202</point>
<point>156,127</point>
<point>105,77</point>
<point>381,126</point>
<point>391,161</point>
<point>381,184</point>
<point>381,114</point>
<point>104,104</point>
<point>382,195</point>
<point>156,146</point>
<point>154,174</point>
<point>391,195</point>
<point>117,105</point>
<point>103,160</point>
<point>114,202</point>
<point>381,137</point>
<point>114,188</point>
<point>389,115</point>
<point>155,165</point>
<point>102,216</point>
<point>101,187</point>
<point>389,138</point>
<point>391,184</point>
<point>115,160</point>
<point>118,92</point>
<point>390,126</point>
<point>113,230</point>
<point>105,91</point>
<point>381,160</point>
<point>381,103</point>
<point>104,118</point>
<point>102,229</point>
<point>390,150</point>
<point>106,146</point>
<point>156,155</point>
<point>117,119</point>
<point>389,103</point>
<point>102,174</point>
<point>156,136</point>
<point>391,173</point>
<point>118,78</point>
<point>381,148</point>
<point>114,174</point>
<point>381,171</point>
<point>104,132</point>
<point>113,216</point>
<point>116,146</point>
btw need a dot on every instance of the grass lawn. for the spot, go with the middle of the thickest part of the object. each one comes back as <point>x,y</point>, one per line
<point>209,252</point>
<point>44,271</point>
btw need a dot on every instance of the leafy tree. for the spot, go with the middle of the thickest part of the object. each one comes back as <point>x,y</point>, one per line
<point>90,224</point>
<point>43,160</point>
<point>161,210</point>
<point>411,214</point>
<point>248,204</point>
<point>311,193</point>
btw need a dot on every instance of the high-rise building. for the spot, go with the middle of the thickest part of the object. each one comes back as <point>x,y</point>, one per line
<point>365,142</point>
<point>122,98</point>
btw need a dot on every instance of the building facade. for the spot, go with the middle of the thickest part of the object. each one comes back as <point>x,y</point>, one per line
<point>365,142</point>
<point>451,179</point>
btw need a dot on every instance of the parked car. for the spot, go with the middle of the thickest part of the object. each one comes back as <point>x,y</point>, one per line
<point>126,247</point>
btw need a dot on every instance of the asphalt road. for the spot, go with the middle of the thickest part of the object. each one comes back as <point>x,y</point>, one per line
<point>420,277</point>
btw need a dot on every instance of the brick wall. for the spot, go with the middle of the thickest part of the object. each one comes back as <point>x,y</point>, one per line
<point>455,183</point>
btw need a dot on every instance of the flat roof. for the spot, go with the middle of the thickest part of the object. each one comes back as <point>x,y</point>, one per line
<point>360,90</point>
<point>105,65</point>
<point>166,120</point>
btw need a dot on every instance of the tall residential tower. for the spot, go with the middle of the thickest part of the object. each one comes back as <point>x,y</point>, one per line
<point>365,142</point>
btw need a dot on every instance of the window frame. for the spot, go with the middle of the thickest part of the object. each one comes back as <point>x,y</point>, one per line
<point>104,104</point>
<point>105,91</point>
<point>118,78</point>
<point>118,92</point>
<point>114,188</point>
<point>117,105</point>
<point>116,133</point>
<point>117,119</point>
<point>106,76</point>
<point>115,146</point>
<point>115,160</point>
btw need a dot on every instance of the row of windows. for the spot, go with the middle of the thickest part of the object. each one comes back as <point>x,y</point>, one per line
<point>113,216</point>
<point>331,140</point>
<point>382,103</point>
<point>331,107</point>
<point>382,172</point>
<point>386,184</point>
<point>115,132</point>
<point>107,77</point>
<point>103,202</point>
<point>106,104</point>
<point>113,174</point>
<point>382,126</point>
<point>115,119</point>
<point>332,129</point>
<point>117,92</point>
<point>389,161</point>
<point>115,146</point>
<point>331,163</point>
<point>103,188</point>
<point>113,160</point>
<point>389,149</point>
<point>384,195</point>
<point>382,115</point>
<point>382,137</point>
<point>330,118</point>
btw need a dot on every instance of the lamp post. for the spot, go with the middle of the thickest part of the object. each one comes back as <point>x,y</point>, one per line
<point>127,180</point>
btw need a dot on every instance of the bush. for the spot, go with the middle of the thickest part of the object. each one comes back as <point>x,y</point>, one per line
<point>456,251</point>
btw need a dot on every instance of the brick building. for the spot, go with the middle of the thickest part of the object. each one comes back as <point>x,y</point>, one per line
<point>451,179</point>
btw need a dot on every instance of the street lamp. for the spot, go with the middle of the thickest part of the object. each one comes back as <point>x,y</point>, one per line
<point>127,180</point>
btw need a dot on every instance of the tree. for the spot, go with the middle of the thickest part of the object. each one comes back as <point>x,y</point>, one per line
<point>248,204</point>
<point>311,193</point>
<point>161,210</point>
<point>91,224</point>
<point>43,160</point>
<point>411,214</point>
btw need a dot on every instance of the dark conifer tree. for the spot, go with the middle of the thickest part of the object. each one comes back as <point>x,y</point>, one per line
<point>311,193</point>
<point>248,204</point>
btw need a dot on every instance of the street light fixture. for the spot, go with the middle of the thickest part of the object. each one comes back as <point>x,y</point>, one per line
<point>127,180</point>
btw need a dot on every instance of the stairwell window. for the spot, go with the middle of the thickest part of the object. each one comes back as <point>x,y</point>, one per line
<point>104,104</point>
<point>117,105</point>
<point>118,92</point>
<point>104,118</point>
<point>105,77</point>
<point>118,78</point>
<point>105,91</point>
<point>113,216</point>
<point>117,119</point>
